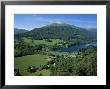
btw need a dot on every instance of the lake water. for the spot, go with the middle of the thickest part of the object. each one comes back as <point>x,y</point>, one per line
<point>75,47</point>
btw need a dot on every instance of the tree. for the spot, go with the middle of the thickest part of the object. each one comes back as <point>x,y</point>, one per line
<point>32,69</point>
<point>17,72</point>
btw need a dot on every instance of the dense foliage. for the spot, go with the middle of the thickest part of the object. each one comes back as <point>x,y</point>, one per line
<point>84,64</point>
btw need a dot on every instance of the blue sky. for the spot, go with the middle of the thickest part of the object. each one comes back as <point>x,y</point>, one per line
<point>31,21</point>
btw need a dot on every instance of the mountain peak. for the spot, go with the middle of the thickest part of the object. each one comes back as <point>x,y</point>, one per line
<point>58,23</point>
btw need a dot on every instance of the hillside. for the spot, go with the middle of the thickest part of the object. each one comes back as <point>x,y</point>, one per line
<point>18,31</point>
<point>58,31</point>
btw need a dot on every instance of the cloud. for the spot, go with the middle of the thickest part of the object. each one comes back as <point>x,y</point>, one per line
<point>48,20</point>
<point>37,18</point>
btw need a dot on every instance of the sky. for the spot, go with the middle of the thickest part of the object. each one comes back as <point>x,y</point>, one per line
<point>31,21</point>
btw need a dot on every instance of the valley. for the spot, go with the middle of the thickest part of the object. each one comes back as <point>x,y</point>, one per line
<point>56,50</point>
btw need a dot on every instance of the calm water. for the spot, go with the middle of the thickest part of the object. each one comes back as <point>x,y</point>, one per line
<point>75,48</point>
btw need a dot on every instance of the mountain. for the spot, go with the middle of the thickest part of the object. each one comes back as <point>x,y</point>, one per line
<point>58,31</point>
<point>18,31</point>
<point>92,29</point>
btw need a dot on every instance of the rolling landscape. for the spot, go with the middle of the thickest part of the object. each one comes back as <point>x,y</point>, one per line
<point>55,49</point>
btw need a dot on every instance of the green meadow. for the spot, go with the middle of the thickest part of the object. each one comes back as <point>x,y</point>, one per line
<point>45,42</point>
<point>30,60</point>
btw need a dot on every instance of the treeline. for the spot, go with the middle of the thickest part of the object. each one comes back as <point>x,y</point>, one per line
<point>22,48</point>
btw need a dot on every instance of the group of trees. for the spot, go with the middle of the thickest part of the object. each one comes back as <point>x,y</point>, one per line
<point>46,66</point>
<point>22,48</point>
<point>84,64</point>
<point>17,72</point>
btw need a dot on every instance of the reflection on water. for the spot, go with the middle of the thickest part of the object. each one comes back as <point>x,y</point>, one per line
<point>75,47</point>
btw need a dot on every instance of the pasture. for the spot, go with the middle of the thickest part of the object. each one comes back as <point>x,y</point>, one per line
<point>38,42</point>
<point>23,62</point>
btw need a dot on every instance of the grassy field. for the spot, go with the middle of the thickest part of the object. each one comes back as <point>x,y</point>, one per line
<point>43,72</point>
<point>30,60</point>
<point>37,42</point>
<point>34,60</point>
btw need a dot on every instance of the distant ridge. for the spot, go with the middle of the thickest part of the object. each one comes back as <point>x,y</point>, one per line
<point>58,31</point>
<point>18,31</point>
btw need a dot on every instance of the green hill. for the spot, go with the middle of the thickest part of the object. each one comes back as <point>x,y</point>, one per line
<point>18,31</point>
<point>58,31</point>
